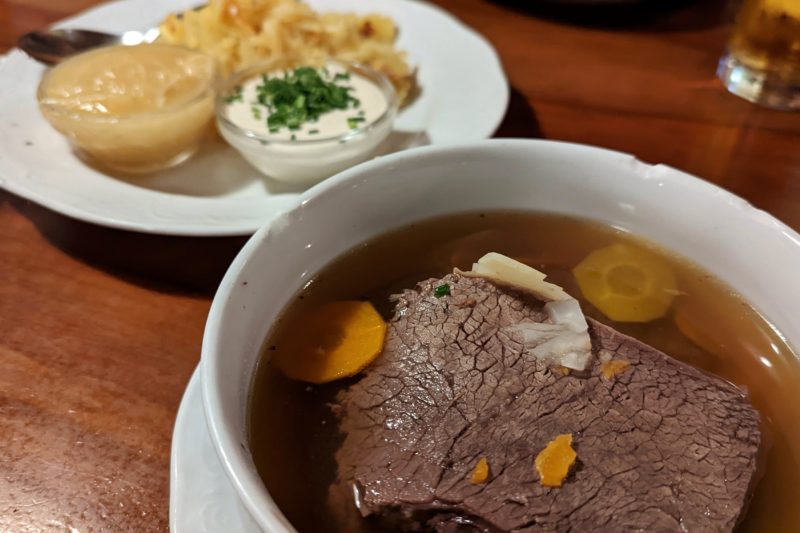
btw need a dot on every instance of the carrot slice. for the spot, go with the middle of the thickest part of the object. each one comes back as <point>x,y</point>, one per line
<point>331,342</point>
<point>480,474</point>
<point>626,283</point>
<point>553,463</point>
<point>613,368</point>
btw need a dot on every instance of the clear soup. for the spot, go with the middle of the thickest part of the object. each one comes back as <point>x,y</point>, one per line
<point>293,434</point>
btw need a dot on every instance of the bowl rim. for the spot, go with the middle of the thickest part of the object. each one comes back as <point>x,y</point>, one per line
<point>222,433</point>
<point>255,138</point>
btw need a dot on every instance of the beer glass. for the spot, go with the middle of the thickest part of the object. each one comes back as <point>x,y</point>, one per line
<point>762,63</point>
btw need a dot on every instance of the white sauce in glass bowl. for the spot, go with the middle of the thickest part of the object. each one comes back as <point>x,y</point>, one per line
<point>249,114</point>
<point>337,140</point>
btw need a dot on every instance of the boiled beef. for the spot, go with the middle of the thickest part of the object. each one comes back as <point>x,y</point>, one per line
<point>661,447</point>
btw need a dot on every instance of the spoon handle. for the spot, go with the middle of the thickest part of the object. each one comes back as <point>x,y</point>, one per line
<point>52,46</point>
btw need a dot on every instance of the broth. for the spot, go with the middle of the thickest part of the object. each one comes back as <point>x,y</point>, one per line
<point>731,340</point>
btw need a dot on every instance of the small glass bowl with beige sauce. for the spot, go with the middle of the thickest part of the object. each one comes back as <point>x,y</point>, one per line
<point>337,140</point>
<point>132,109</point>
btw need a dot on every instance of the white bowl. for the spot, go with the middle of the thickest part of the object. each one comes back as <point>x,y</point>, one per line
<point>748,248</point>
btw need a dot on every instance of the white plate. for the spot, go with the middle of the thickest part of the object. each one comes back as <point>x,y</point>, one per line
<point>201,499</point>
<point>217,193</point>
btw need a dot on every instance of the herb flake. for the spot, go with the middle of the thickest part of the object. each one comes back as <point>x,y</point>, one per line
<point>441,290</point>
<point>352,122</point>
<point>235,96</point>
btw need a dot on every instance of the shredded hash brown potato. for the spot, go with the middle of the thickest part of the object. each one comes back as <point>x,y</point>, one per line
<point>240,33</point>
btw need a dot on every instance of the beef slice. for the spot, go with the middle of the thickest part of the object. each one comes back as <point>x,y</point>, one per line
<point>661,447</point>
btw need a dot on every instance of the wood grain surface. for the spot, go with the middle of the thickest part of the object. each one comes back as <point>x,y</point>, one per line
<point>100,329</point>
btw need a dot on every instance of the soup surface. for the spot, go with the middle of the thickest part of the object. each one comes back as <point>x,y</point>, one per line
<point>294,435</point>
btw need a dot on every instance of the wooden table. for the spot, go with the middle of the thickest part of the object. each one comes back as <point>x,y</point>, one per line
<point>101,329</point>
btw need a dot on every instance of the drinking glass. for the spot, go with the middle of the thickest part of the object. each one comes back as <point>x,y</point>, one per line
<point>762,63</point>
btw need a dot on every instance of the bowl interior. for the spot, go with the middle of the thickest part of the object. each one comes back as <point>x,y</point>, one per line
<point>746,248</point>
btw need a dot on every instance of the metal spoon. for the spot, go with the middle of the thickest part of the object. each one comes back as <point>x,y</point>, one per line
<point>52,46</point>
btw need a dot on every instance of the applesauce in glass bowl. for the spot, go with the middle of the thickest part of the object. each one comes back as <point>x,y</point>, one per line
<point>133,109</point>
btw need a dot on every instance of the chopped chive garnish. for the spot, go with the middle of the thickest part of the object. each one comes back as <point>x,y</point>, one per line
<point>256,112</point>
<point>293,137</point>
<point>235,96</point>
<point>300,96</point>
<point>313,132</point>
<point>441,290</point>
<point>340,76</point>
<point>352,122</point>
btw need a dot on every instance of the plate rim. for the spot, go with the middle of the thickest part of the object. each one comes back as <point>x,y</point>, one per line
<point>185,454</point>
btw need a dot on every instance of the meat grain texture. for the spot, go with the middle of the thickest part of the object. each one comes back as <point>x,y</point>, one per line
<point>661,447</point>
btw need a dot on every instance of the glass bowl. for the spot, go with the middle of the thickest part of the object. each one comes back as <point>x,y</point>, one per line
<point>132,141</point>
<point>312,160</point>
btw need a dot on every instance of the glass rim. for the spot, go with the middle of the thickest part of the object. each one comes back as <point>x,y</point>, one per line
<point>209,90</point>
